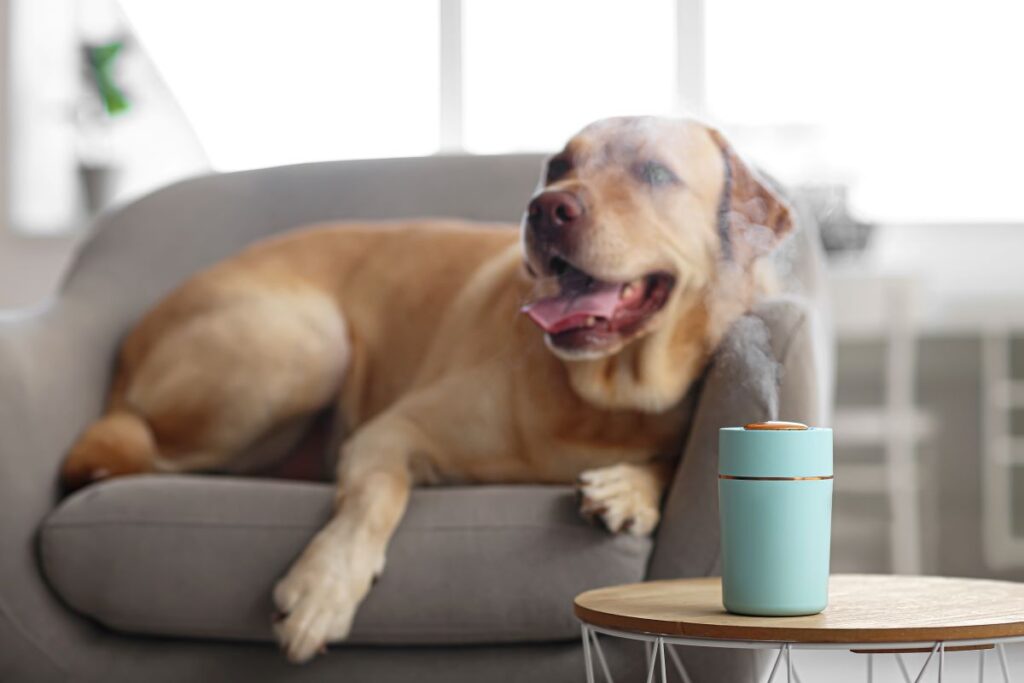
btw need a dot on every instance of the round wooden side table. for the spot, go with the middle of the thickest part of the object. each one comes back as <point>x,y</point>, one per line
<point>869,614</point>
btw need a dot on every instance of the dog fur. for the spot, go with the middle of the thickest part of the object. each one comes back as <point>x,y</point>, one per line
<point>412,330</point>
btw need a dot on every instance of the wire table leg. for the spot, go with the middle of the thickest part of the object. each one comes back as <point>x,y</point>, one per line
<point>587,661</point>
<point>601,659</point>
<point>680,669</point>
<point>653,664</point>
<point>796,674</point>
<point>903,668</point>
<point>920,676</point>
<point>775,666</point>
<point>1002,663</point>
<point>657,659</point>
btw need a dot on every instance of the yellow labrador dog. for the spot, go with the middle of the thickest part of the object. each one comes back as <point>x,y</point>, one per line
<point>456,352</point>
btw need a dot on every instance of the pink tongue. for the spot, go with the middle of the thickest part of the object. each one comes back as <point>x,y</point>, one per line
<point>565,311</point>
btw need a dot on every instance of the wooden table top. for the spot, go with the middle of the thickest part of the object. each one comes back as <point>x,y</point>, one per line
<point>863,608</point>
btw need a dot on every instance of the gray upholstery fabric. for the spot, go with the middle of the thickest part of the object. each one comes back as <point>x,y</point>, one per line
<point>196,556</point>
<point>740,387</point>
<point>54,366</point>
<point>763,370</point>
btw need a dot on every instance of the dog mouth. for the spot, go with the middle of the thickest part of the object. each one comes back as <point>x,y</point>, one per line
<point>588,311</point>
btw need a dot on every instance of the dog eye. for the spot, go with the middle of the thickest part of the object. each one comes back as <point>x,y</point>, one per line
<point>557,169</point>
<point>655,175</point>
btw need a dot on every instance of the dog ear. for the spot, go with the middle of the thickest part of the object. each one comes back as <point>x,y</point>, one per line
<point>752,217</point>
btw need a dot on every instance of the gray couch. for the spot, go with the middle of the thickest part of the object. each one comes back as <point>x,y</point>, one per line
<point>168,578</point>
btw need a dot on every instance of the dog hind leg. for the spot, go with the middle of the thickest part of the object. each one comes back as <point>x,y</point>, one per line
<point>215,385</point>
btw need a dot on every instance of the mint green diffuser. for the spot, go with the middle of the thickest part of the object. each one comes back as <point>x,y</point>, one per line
<point>775,506</point>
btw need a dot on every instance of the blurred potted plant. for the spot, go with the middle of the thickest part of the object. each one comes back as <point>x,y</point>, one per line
<point>102,102</point>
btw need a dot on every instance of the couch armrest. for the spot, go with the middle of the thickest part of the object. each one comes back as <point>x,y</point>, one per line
<point>768,367</point>
<point>52,373</point>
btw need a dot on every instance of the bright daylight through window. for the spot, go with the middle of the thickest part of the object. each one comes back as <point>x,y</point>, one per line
<point>834,94</point>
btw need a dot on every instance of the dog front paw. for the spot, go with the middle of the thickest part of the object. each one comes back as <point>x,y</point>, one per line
<point>625,498</point>
<point>316,604</point>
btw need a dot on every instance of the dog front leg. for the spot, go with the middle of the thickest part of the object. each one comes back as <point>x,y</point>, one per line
<point>626,497</point>
<point>318,598</point>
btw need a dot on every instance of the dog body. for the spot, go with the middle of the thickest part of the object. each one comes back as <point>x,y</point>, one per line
<point>357,311</point>
<point>639,249</point>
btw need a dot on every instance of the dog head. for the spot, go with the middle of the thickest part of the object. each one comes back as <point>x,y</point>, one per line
<point>633,222</point>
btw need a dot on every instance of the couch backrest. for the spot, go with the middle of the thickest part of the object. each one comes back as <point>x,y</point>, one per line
<point>55,363</point>
<point>140,251</point>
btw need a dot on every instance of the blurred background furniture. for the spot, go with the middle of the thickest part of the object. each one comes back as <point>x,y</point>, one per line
<point>952,293</point>
<point>881,307</point>
<point>479,581</point>
<point>1003,446</point>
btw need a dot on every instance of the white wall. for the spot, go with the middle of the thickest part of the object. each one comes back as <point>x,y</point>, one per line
<point>30,268</point>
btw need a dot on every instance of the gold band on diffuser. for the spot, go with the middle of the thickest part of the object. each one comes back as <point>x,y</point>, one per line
<point>729,476</point>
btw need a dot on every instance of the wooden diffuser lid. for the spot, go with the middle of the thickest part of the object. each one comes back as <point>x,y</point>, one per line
<point>777,426</point>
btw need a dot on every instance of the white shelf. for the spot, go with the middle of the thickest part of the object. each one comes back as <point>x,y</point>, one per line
<point>867,478</point>
<point>1007,451</point>
<point>875,426</point>
<point>1007,394</point>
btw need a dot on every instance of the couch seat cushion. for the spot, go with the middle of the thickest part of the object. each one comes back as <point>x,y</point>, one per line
<point>197,556</point>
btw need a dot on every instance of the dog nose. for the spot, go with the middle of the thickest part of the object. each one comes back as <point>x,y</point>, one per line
<point>554,211</point>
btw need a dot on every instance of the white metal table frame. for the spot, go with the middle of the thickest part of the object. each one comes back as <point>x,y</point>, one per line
<point>656,649</point>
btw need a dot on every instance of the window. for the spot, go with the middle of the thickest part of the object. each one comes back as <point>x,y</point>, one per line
<point>536,71</point>
<point>914,104</point>
<point>283,81</point>
<point>348,80</point>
